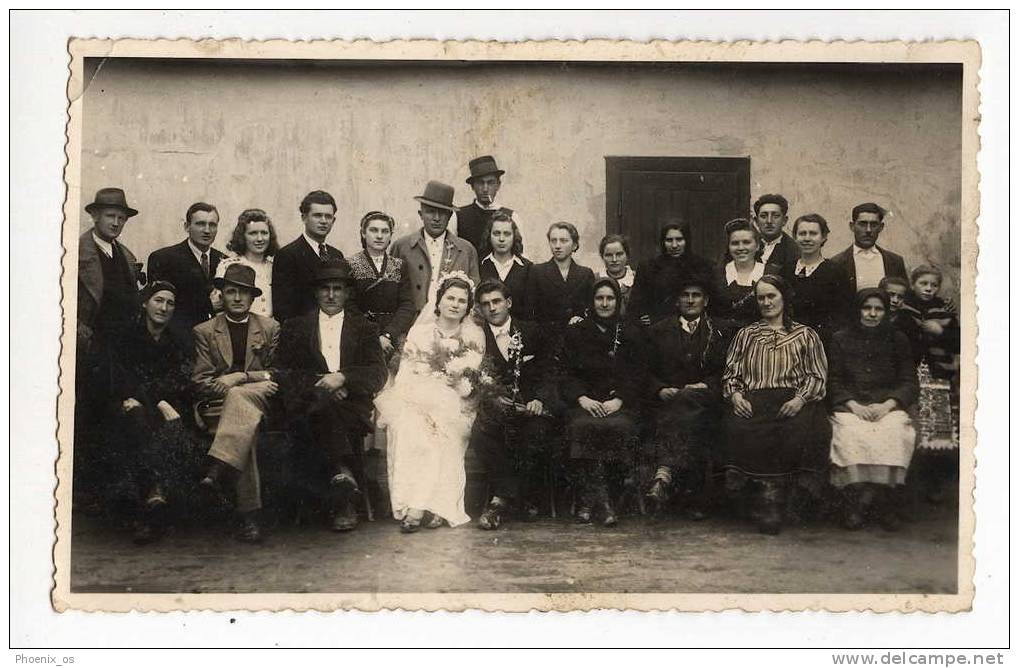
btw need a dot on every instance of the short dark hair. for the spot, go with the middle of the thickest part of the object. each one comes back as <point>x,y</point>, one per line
<point>740,225</point>
<point>812,218</point>
<point>893,280</point>
<point>492,285</point>
<point>238,244</point>
<point>376,215</point>
<point>772,198</point>
<point>518,239</point>
<point>454,282</point>
<point>674,224</point>
<point>570,228</point>
<point>925,269</point>
<point>199,206</point>
<point>868,207</point>
<point>614,239</point>
<point>316,197</point>
<point>787,293</point>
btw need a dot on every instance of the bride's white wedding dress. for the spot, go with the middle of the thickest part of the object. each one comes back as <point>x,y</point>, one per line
<point>428,425</point>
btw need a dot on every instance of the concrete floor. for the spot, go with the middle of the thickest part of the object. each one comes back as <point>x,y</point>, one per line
<point>642,554</point>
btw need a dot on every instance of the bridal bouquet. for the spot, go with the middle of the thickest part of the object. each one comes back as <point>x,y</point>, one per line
<point>458,365</point>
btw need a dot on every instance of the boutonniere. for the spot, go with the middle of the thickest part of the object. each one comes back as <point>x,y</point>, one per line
<point>616,342</point>
<point>516,348</point>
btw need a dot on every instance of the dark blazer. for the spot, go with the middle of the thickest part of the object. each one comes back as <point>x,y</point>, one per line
<point>90,281</point>
<point>456,255</point>
<point>894,266</point>
<point>299,365</point>
<point>591,371</point>
<point>178,265</point>
<point>294,268</point>
<point>674,358</point>
<point>786,253</point>
<point>385,297</point>
<point>537,362</point>
<point>516,281</point>
<point>550,299</point>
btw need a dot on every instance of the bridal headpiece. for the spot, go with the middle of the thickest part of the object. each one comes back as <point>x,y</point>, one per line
<point>456,274</point>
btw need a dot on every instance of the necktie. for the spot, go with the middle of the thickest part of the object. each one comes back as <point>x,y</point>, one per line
<point>323,252</point>
<point>502,340</point>
<point>205,263</point>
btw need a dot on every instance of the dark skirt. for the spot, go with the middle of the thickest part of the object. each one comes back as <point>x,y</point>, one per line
<point>684,428</point>
<point>609,439</point>
<point>767,446</point>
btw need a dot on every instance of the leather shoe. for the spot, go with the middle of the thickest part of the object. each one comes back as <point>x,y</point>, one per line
<point>659,492</point>
<point>432,521</point>
<point>250,531</point>
<point>408,525</point>
<point>609,517</point>
<point>491,519</point>
<point>345,518</point>
<point>583,515</point>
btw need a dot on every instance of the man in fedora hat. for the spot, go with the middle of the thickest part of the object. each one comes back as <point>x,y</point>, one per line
<point>330,365</point>
<point>107,278</point>
<point>434,250</point>
<point>191,265</point>
<point>472,220</point>
<point>233,376</point>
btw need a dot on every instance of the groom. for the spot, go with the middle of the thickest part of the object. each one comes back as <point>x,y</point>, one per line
<point>329,367</point>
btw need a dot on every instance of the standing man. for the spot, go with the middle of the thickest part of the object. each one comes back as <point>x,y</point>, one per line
<point>190,266</point>
<point>296,265</point>
<point>472,220</point>
<point>771,213</point>
<point>865,262</point>
<point>330,366</point>
<point>512,434</point>
<point>234,353</point>
<point>433,251</point>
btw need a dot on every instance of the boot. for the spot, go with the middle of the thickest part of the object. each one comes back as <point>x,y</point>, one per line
<point>250,530</point>
<point>658,494</point>
<point>771,500</point>
<point>889,518</point>
<point>491,519</point>
<point>852,513</point>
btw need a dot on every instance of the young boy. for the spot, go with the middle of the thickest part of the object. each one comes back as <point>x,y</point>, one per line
<point>937,320</point>
<point>903,317</point>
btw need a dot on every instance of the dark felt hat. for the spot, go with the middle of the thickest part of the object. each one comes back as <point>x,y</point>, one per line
<point>439,195</point>
<point>238,274</point>
<point>110,197</point>
<point>334,270</point>
<point>483,166</point>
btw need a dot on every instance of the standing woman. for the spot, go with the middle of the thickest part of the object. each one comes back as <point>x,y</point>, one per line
<point>253,243</point>
<point>151,376</point>
<point>656,287</point>
<point>776,427</point>
<point>506,262</point>
<point>614,250</point>
<point>819,285</point>
<point>737,278</point>
<point>558,291</point>
<point>871,386</point>
<point>382,289</point>
<point>600,387</point>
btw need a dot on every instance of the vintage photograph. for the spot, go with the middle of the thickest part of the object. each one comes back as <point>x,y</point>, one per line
<point>542,325</point>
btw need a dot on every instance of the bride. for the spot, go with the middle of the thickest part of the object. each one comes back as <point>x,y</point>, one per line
<point>429,409</point>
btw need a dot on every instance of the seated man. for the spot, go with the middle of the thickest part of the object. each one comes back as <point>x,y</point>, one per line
<point>234,352</point>
<point>330,366</point>
<point>512,433</point>
<point>685,359</point>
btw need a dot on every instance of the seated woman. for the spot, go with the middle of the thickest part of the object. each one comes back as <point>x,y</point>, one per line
<point>382,289</point>
<point>735,282</point>
<point>614,250</point>
<point>253,243</point>
<point>818,284</point>
<point>777,426</point>
<point>151,374</point>
<point>506,263</point>
<point>558,290</point>
<point>600,389</point>
<point>429,409</point>
<point>655,288</point>
<point>871,385</point>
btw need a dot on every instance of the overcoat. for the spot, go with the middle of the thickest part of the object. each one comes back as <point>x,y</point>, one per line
<point>457,255</point>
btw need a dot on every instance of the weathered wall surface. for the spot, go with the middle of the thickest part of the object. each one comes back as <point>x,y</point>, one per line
<point>262,135</point>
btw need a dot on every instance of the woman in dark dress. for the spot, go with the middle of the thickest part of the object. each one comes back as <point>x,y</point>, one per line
<point>776,427</point>
<point>600,388</point>
<point>150,449</point>
<point>558,291</point>
<point>819,285</point>
<point>382,290</point>
<point>506,262</point>
<point>655,287</point>
<point>735,303</point>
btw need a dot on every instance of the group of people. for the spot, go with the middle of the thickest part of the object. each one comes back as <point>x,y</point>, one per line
<point>776,369</point>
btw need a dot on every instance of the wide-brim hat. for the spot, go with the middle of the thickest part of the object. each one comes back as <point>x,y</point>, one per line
<point>483,166</point>
<point>110,197</point>
<point>439,195</point>
<point>334,270</point>
<point>240,275</point>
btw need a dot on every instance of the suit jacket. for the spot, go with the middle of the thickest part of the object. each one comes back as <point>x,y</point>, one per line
<point>300,364</point>
<point>894,266</point>
<point>90,277</point>
<point>537,362</point>
<point>214,355</point>
<point>553,300</point>
<point>457,255</point>
<point>179,265</point>
<point>293,269</point>
<point>674,358</point>
<point>786,253</point>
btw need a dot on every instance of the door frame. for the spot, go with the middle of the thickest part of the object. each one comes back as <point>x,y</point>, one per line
<point>615,165</point>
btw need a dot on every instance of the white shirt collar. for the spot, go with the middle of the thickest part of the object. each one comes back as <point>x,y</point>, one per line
<point>311,242</point>
<point>872,251</point>
<point>238,322</point>
<point>626,281</point>
<point>491,207</point>
<point>325,317</point>
<point>105,246</point>
<point>435,241</point>
<point>502,329</point>
<point>809,268</point>
<point>513,260</point>
<point>732,275</point>
<point>772,244</point>
<point>689,326</point>
<point>197,252</point>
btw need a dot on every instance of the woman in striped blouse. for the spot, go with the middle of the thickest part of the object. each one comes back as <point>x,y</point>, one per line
<point>776,427</point>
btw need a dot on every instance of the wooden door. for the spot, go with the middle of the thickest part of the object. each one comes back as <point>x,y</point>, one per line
<point>642,193</point>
